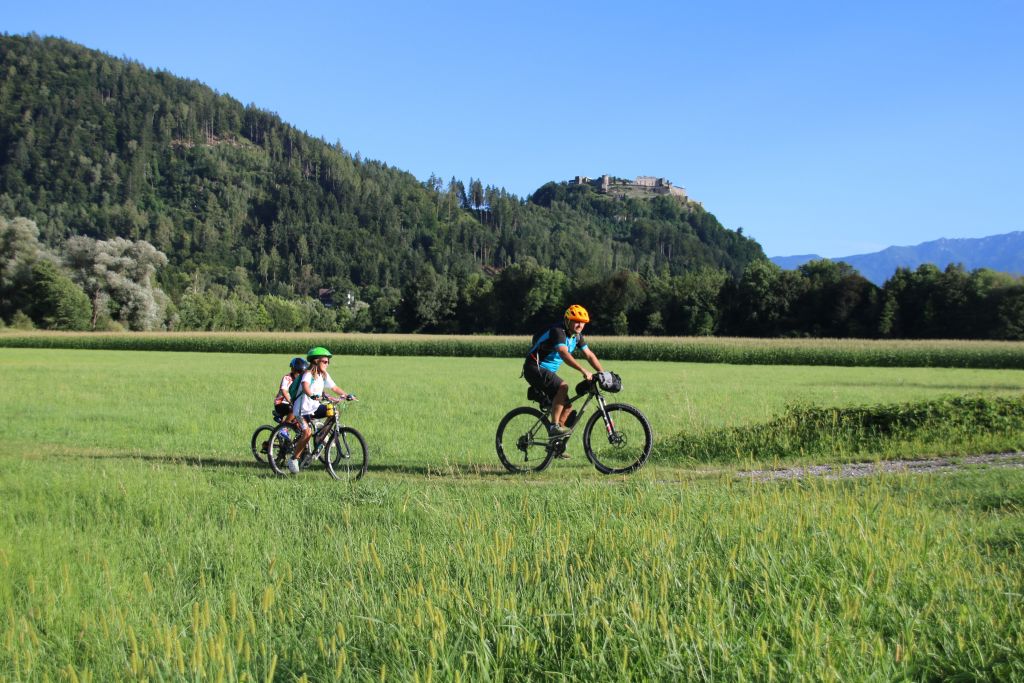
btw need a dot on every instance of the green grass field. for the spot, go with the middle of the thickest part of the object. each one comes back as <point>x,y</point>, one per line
<point>139,539</point>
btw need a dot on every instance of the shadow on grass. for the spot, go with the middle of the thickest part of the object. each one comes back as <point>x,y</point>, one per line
<point>189,460</point>
<point>442,471</point>
<point>427,471</point>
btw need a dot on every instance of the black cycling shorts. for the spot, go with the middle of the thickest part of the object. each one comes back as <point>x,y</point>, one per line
<point>542,379</point>
<point>282,409</point>
<point>321,412</point>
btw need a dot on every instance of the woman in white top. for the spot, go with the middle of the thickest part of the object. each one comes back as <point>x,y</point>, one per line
<point>307,404</point>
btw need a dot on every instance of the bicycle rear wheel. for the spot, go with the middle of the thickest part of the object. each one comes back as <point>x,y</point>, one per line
<point>281,448</point>
<point>347,456</point>
<point>522,441</point>
<point>260,442</point>
<point>623,445</point>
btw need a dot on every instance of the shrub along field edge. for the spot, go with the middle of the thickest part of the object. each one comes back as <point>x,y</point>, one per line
<point>835,352</point>
<point>945,425</point>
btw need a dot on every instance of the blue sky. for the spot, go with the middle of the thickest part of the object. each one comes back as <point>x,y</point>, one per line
<point>824,127</point>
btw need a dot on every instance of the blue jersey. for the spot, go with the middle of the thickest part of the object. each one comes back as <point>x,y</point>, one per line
<point>544,350</point>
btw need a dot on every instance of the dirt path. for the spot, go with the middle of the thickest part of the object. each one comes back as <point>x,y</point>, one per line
<point>866,469</point>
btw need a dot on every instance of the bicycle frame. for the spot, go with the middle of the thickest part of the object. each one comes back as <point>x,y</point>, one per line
<point>321,434</point>
<point>592,392</point>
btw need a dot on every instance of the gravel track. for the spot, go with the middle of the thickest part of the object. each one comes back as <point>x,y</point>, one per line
<point>867,469</point>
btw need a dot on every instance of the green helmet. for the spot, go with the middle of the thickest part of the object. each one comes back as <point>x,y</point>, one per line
<point>318,352</point>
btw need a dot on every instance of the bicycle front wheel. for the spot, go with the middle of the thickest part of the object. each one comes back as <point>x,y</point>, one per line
<point>347,456</point>
<point>281,447</point>
<point>522,441</point>
<point>260,442</point>
<point>621,445</point>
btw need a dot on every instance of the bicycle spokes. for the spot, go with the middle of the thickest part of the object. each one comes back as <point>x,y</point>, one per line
<point>346,455</point>
<point>522,441</point>
<point>626,443</point>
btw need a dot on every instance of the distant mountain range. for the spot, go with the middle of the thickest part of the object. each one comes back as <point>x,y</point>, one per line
<point>1004,253</point>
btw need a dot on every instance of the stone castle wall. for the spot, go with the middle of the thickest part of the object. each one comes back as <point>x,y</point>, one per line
<point>645,183</point>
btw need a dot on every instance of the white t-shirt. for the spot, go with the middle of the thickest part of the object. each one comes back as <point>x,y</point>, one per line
<point>286,384</point>
<point>304,405</point>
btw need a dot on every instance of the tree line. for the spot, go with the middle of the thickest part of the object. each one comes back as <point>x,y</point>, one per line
<point>112,284</point>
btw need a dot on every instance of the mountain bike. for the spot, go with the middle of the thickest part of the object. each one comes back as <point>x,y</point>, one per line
<point>261,439</point>
<point>342,449</point>
<point>623,445</point>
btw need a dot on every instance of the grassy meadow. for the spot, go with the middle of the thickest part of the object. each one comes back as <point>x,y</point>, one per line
<point>139,539</point>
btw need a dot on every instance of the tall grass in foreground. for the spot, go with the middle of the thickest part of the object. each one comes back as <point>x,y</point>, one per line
<point>835,352</point>
<point>138,539</point>
<point>946,425</point>
<point>113,570</point>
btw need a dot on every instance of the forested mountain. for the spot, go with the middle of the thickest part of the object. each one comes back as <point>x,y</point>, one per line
<point>130,198</point>
<point>244,204</point>
<point>1003,253</point>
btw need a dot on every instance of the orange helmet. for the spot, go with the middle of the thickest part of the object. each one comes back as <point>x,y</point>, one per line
<point>577,313</point>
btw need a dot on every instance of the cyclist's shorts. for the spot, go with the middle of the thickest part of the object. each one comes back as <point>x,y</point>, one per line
<point>542,379</point>
<point>282,409</point>
<point>321,412</point>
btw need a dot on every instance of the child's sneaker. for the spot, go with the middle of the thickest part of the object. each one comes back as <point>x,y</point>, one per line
<point>293,465</point>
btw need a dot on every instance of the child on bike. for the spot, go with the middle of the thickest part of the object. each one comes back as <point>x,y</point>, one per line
<point>307,406</point>
<point>551,347</point>
<point>283,400</point>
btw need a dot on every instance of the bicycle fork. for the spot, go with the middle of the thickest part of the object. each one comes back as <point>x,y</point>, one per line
<point>609,424</point>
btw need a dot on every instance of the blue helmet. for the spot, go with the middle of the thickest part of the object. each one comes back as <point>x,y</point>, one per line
<point>299,364</point>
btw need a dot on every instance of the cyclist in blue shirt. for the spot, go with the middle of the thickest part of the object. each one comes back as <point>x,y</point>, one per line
<point>551,347</point>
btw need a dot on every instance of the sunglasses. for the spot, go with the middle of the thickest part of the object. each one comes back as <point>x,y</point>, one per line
<point>324,361</point>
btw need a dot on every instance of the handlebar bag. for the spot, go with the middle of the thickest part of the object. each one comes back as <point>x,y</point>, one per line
<point>608,381</point>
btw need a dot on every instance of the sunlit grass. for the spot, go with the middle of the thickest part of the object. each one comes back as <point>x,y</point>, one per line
<point>137,570</point>
<point>418,414</point>
<point>138,539</point>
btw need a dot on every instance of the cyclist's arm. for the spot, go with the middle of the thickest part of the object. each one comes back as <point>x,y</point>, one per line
<point>336,389</point>
<point>592,359</point>
<point>342,394</point>
<point>282,392</point>
<point>563,351</point>
<point>306,390</point>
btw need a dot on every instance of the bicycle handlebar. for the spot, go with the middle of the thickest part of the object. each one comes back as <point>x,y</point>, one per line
<point>585,386</point>
<point>326,399</point>
<point>593,385</point>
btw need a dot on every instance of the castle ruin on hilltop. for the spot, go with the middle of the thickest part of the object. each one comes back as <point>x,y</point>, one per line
<point>619,187</point>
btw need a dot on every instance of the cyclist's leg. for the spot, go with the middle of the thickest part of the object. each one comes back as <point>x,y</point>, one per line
<point>307,432</point>
<point>558,402</point>
<point>550,384</point>
<point>569,416</point>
